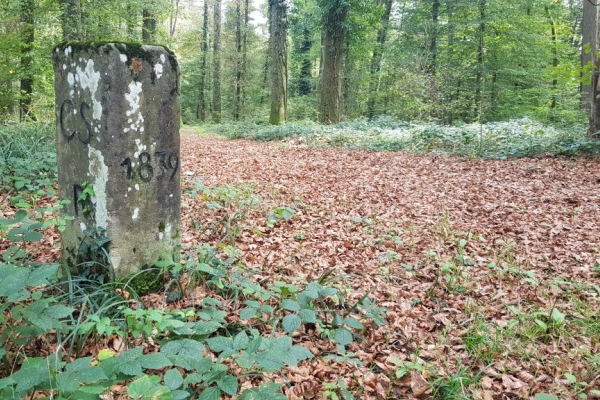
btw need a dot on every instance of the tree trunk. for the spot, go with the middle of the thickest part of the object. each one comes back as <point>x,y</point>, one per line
<point>201,110</point>
<point>27,37</point>
<point>431,65</point>
<point>237,99</point>
<point>245,50</point>
<point>333,38</point>
<point>216,108</point>
<point>70,20</point>
<point>174,17</point>
<point>148,27</point>
<point>480,61</point>
<point>278,75</point>
<point>554,54</point>
<point>304,78</point>
<point>588,52</point>
<point>377,57</point>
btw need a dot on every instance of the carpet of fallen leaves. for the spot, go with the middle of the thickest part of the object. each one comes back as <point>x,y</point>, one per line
<point>521,234</point>
<point>388,222</point>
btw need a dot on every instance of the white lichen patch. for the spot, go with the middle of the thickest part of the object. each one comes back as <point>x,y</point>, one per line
<point>123,57</point>
<point>98,173</point>
<point>135,213</point>
<point>158,70</point>
<point>88,78</point>
<point>68,51</point>
<point>133,98</point>
<point>163,58</point>
<point>71,79</point>
<point>82,227</point>
<point>137,186</point>
<point>64,67</point>
<point>140,148</point>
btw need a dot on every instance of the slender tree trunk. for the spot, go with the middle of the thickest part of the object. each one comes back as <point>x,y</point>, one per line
<point>554,54</point>
<point>70,20</point>
<point>304,78</point>
<point>333,38</point>
<point>278,75</point>
<point>347,67</point>
<point>480,60</point>
<point>174,17</point>
<point>149,27</point>
<point>237,99</point>
<point>27,38</point>
<point>216,108</point>
<point>377,57</point>
<point>588,52</point>
<point>201,110</point>
<point>431,65</point>
<point>245,52</point>
<point>451,94</point>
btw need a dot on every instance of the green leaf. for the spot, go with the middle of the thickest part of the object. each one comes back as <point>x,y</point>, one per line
<point>173,379</point>
<point>33,372</point>
<point>33,236</point>
<point>571,378</point>
<point>59,311</point>
<point>180,394</point>
<point>290,305</point>
<point>291,322</point>
<point>557,316</point>
<point>189,347</point>
<point>240,341</point>
<point>343,336</point>
<point>138,388</point>
<point>247,313</point>
<point>155,361</point>
<point>229,384</point>
<point>308,315</point>
<point>545,396</point>
<point>541,324</point>
<point>210,393</point>
<point>220,343</point>
<point>353,323</point>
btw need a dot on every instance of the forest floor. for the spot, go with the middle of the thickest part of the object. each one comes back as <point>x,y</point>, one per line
<point>489,270</point>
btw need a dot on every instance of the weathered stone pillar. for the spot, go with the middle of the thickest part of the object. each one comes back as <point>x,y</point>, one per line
<point>117,122</point>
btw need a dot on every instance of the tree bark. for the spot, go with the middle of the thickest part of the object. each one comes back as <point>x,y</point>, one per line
<point>278,75</point>
<point>554,54</point>
<point>333,39</point>
<point>304,78</point>
<point>148,27</point>
<point>588,52</point>
<point>174,17</point>
<point>480,61</point>
<point>70,20</point>
<point>216,108</point>
<point>237,99</point>
<point>27,38</point>
<point>377,58</point>
<point>201,109</point>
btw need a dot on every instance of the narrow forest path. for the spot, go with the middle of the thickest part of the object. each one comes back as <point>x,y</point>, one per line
<point>451,247</point>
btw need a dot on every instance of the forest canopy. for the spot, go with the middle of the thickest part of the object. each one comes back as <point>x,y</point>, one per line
<point>328,60</point>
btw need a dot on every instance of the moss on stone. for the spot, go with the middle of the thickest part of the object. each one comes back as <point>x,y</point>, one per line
<point>131,49</point>
<point>145,282</point>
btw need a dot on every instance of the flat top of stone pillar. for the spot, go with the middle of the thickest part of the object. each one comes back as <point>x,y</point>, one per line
<point>131,49</point>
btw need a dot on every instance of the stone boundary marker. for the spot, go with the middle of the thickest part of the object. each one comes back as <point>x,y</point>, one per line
<point>117,122</point>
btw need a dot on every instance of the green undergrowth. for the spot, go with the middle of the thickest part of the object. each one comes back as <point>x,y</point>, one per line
<point>496,140</point>
<point>67,336</point>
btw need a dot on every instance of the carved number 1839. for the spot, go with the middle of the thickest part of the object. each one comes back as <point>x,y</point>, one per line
<point>167,162</point>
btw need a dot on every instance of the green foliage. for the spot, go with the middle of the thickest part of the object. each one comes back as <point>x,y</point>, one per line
<point>231,203</point>
<point>28,159</point>
<point>500,140</point>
